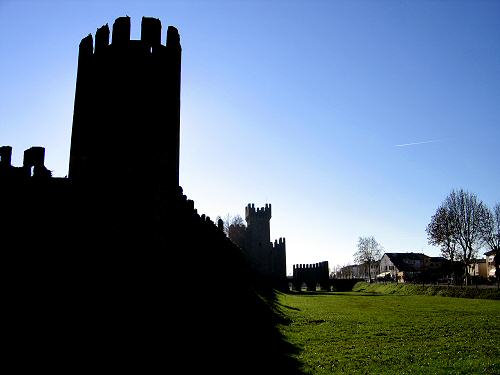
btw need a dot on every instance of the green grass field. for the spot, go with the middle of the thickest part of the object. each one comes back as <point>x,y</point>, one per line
<point>359,333</point>
<point>428,290</point>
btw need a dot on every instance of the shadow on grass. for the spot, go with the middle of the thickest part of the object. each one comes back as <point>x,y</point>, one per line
<point>288,307</point>
<point>284,354</point>
<point>310,293</point>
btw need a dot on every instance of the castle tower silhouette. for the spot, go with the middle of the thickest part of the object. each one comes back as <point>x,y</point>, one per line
<point>258,237</point>
<point>267,258</point>
<point>127,106</point>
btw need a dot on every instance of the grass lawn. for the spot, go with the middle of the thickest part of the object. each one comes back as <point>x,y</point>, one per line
<point>358,333</point>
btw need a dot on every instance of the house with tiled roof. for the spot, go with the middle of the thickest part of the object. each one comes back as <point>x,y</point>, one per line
<point>403,266</point>
<point>411,266</point>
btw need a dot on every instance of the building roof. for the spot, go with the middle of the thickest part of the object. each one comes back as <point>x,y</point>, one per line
<point>474,261</point>
<point>400,260</point>
<point>411,256</point>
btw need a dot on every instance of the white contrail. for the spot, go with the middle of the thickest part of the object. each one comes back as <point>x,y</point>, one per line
<point>416,143</point>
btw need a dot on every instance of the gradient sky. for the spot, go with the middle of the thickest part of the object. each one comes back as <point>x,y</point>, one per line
<point>351,118</point>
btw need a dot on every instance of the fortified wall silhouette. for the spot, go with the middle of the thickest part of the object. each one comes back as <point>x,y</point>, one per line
<point>311,275</point>
<point>317,274</point>
<point>113,266</point>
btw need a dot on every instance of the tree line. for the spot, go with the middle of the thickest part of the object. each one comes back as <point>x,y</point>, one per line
<point>462,225</point>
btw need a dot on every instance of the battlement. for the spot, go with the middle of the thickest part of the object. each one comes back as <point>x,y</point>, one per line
<point>5,156</point>
<point>120,37</point>
<point>34,157</point>
<point>279,243</point>
<point>261,212</point>
<point>311,275</point>
<point>33,163</point>
<point>313,266</point>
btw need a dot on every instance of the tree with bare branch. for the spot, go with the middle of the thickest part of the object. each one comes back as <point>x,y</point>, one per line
<point>369,251</point>
<point>440,233</point>
<point>492,233</point>
<point>230,220</point>
<point>462,217</point>
<point>234,227</point>
<point>492,237</point>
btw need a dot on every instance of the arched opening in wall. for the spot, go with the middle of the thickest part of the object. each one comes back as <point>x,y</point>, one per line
<point>32,171</point>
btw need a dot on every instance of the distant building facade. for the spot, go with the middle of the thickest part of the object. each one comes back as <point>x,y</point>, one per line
<point>351,271</point>
<point>404,267</point>
<point>418,267</point>
<point>359,271</point>
<point>478,267</point>
<point>492,264</point>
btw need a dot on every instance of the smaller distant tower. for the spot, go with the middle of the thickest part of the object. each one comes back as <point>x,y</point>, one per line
<point>267,258</point>
<point>258,237</point>
<point>279,259</point>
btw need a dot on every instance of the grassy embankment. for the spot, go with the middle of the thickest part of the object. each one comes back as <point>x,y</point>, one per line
<point>360,333</point>
<point>428,290</point>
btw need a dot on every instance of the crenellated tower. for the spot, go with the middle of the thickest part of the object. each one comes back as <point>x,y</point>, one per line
<point>267,258</point>
<point>258,222</point>
<point>127,106</point>
<point>258,237</point>
<point>279,257</point>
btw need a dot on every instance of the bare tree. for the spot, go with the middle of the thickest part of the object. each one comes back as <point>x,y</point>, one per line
<point>369,251</point>
<point>336,271</point>
<point>234,227</point>
<point>465,224</point>
<point>492,237</point>
<point>492,232</point>
<point>440,233</point>
<point>230,220</point>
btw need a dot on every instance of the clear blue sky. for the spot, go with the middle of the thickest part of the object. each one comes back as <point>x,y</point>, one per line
<point>313,106</point>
